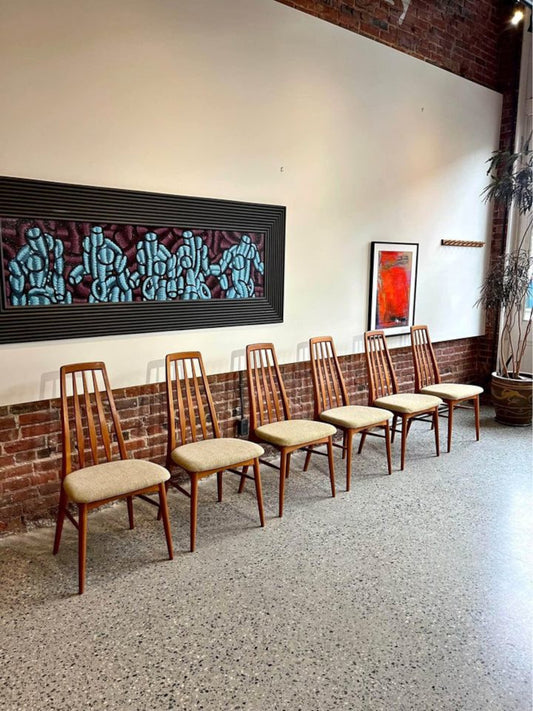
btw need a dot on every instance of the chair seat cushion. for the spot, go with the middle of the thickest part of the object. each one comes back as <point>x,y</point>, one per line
<point>289,433</point>
<point>452,391</point>
<point>217,453</point>
<point>355,416</point>
<point>407,403</point>
<point>112,479</point>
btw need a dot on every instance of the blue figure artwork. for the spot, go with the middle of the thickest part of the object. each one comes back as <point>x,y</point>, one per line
<point>98,264</point>
<point>192,267</point>
<point>238,261</point>
<point>105,263</point>
<point>157,269</point>
<point>36,272</point>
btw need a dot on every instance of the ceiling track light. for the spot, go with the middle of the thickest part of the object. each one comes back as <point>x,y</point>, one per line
<point>519,11</point>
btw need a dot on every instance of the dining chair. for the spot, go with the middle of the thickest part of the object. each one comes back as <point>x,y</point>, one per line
<point>429,382</point>
<point>194,440</point>
<point>383,392</point>
<point>271,419</point>
<point>95,464</point>
<point>332,404</point>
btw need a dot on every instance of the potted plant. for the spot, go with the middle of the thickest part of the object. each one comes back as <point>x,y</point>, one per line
<point>508,286</point>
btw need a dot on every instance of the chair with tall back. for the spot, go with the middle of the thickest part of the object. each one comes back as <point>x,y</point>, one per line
<point>428,379</point>
<point>271,416</point>
<point>383,391</point>
<point>96,468</point>
<point>194,440</point>
<point>332,404</point>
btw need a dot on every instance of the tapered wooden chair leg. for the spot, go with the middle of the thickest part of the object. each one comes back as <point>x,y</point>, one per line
<point>394,423</point>
<point>163,506</point>
<point>194,509</point>
<point>219,485</point>
<point>331,466</point>
<point>259,492</point>
<point>476,414</point>
<point>130,512</point>
<point>405,432</point>
<point>82,546</point>
<point>243,480</point>
<point>450,424</point>
<point>362,441</point>
<point>348,441</point>
<point>436,423</point>
<point>282,476</point>
<point>308,457</point>
<point>288,471</point>
<point>388,448</point>
<point>167,486</point>
<point>60,519</point>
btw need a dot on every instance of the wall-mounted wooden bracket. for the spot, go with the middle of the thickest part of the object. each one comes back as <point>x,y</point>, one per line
<point>460,243</point>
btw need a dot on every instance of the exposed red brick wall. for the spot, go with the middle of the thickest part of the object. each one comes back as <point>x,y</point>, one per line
<point>462,36</point>
<point>30,434</point>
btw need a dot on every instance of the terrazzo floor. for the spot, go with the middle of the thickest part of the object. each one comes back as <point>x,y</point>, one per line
<point>410,593</point>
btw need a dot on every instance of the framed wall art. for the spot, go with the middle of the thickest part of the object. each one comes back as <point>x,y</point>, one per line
<point>393,270</point>
<point>80,261</point>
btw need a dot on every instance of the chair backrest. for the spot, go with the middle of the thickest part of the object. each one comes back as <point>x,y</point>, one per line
<point>268,399</point>
<point>381,376</point>
<point>191,411</point>
<point>90,425</point>
<point>328,384</point>
<point>424,361</point>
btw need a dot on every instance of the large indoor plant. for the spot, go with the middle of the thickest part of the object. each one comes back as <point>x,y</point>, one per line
<point>507,285</point>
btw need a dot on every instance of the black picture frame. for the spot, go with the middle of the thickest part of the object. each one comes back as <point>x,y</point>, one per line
<point>21,197</point>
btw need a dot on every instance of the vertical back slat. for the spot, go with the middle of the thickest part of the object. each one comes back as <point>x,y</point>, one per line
<point>80,438</point>
<point>104,431</point>
<point>90,419</point>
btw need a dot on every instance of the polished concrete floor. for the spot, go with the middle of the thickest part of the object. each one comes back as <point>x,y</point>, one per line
<point>410,593</point>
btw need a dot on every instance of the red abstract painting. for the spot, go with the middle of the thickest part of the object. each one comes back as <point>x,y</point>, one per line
<point>394,286</point>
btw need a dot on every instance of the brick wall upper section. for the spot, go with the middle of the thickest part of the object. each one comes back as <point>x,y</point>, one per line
<point>30,433</point>
<point>463,36</point>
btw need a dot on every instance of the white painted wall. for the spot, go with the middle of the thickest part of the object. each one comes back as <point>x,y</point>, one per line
<point>214,99</point>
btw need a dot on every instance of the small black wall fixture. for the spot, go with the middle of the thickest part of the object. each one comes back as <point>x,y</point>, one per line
<point>34,304</point>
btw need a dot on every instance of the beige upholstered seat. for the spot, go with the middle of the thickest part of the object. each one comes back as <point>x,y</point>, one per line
<point>452,391</point>
<point>111,479</point>
<point>194,440</point>
<point>355,416</point>
<point>332,404</point>
<point>428,380</point>
<point>290,433</point>
<point>216,454</point>
<point>271,416</point>
<point>383,391</point>
<point>96,468</point>
<point>408,402</point>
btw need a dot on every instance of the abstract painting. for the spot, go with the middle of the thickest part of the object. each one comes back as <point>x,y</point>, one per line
<point>393,270</point>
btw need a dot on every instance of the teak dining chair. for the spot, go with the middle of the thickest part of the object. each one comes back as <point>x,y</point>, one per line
<point>194,441</point>
<point>383,391</point>
<point>332,404</point>
<point>428,380</point>
<point>271,416</point>
<point>96,468</point>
